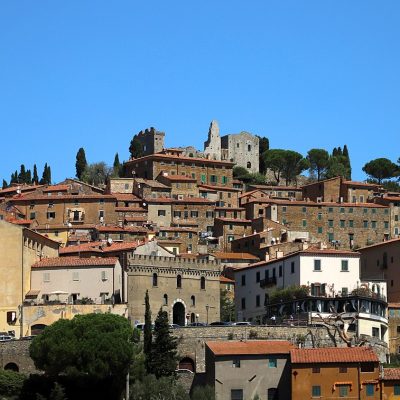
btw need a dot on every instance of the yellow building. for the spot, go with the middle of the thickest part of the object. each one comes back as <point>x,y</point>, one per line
<point>19,248</point>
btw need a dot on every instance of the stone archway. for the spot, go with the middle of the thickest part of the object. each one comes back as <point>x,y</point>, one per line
<point>11,367</point>
<point>178,314</point>
<point>186,363</point>
<point>37,329</point>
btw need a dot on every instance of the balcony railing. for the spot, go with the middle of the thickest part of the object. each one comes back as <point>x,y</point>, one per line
<point>267,282</point>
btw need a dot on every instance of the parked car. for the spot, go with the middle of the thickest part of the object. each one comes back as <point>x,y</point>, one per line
<point>198,324</point>
<point>220,323</point>
<point>6,338</point>
<point>141,326</point>
<point>243,323</point>
<point>174,326</point>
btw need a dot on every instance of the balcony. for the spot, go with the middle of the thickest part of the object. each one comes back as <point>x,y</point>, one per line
<point>267,282</point>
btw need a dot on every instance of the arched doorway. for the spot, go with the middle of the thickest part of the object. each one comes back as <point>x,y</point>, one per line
<point>186,363</point>
<point>11,367</point>
<point>178,314</point>
<point>37,329</point>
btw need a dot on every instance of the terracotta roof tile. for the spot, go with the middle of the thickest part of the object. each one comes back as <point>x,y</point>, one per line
<point>214,187</point>
<point>127,197</point>
<point>333,355</point>
<point>391,374</point>
<point>235,256</point>
<point>224,279</point>
<point>56,188</point>
<point>62,262</point>
<point>234,220</point>
<point>256,347</point>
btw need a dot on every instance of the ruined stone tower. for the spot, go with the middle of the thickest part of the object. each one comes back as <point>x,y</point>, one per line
<point>212,147</point>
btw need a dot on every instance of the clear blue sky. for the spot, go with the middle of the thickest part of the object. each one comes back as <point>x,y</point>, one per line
<point>93,73</point>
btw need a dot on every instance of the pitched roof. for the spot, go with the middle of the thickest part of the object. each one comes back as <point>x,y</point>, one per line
<point>391,374</point>
<point>386,242</point>
<point>251,347</point>
<point>333,355</point>
<point>234,256</point>
<point>179,178</point>
<point>224,279</point>
<point>56,188</point>
<point>214,187</point>
<point>100,247</point>
<point>127,197</point>
<point>61,262</point>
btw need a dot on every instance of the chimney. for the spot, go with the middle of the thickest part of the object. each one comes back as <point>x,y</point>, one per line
<point>279,254</point>
<point>322,245</point>
<point>304,246</point>
<point>266,256</point>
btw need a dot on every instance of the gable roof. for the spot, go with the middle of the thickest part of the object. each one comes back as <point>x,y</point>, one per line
<point>251,347</point>
<point>62,262</point>
<point>333,355</point>
<point>391,374</point>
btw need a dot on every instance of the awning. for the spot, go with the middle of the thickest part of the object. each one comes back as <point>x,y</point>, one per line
<point>32,294</point>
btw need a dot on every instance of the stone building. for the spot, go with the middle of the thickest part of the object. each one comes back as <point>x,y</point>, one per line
<point>212,147</point>
<point>171,161</point>
<point>152,141</point>
<point>188,289</point>
<point>393,202</point>
<point>241,149</point>
<point>347,225</point>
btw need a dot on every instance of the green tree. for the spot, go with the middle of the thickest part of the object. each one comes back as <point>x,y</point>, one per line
<point>22,174</point>
<point>275,161</point>
<point>11,384</point>
<point>147,334</point>
<point>46,176</point>
<point>117,167</point>
<point>135,148</point>
<point>14,177</point>
<point>96,174</point>
<point>227,307</point>
<point>318,162</point>
<point>203,393</point>
<point>257,179</point>
<point>241,173</point>
<point>294,165</point>
<point>97,345</point>
<point>263,147</point>
<point>163,355</point>
<point>4,184</point>
<point>381,168</point>
<point>35,178</point>
<point>80,163</point>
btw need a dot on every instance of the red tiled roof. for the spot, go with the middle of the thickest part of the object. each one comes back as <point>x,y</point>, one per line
<point>100,247</point>
<point>131,209</point>
<point>391,374</point>
<point>256,347</point>
<point>235,256</point>
<point>126,197</point>
<point>391,241</point>
<point>23,188</point>
<point>121,229</point>
<point>34,196</point>
<point>162,156</point>
<point>333,355</point>
<point>134,219</point>
<point>230,209</point>
<point>56,188</point>
<point>74,262</point>
<point>179,178</point>
<point>224,279</point>
<point>280,188</point>
<point>214,187</point>
<point>19,221</point>
<point>176,229</point>
<point>314,203</point>
<point>234,220</point>
<point>362,184</point>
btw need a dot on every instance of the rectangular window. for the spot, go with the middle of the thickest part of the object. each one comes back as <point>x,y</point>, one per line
<point>365,224</point>
<point>330,237</point>
<point>46,277</point>
<point>292,267</point>
<point>319,216</point>
<point>194,214</point>
<point>213,179</point>
<point>396,390</point>
<point>351,224</point>
<point>368,367</point>
<point>351,210</point>
<point>386,225</point>
<point>370,389</point>
<point>51,215</point>
<point>203,178</point>
<point>209,214</point>
<point>284,209</point>
<point>373,224</point>
<point>330,223</point>
<point>258,276</point>
<point>396,217</point>
<point>316,370</point>
<point>103,275</point>
<point>161,213</point>
<point>345,266</point>
<point>316,391</point>
<point>177,214</point>
<point>317,265</point>
<point>304,223</point>
<point>272,363</point>
<point>342,210</point>
<point>236,363</point>
<point>243,303</point>
<point>304,209</point>
<point>342,223</point>
<point>365,210</point>
<point>373,211</point>
<point>343,370</point>
<point>320,229</point>
<point>237,394</point>
<point>345,291</point>
<point>258,300</point>
<point>343,390</point>
<point>243,280</point>
<point>280,271</point>
<point>101,214</point>
<point>330,209</point>
<point>224,179</point>
<point>75,276</point>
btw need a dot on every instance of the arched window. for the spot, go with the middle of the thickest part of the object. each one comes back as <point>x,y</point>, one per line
<point>179,281</point>
<point>165,299</point>
<point>155,279</point>
<point>248,164</point>
<point>193,299</point>
<point>11,367</point>
<point>202,283</point>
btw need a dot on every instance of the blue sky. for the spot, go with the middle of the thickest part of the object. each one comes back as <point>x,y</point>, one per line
<point>91,74</point>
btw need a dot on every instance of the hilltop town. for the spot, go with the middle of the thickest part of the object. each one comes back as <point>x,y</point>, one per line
<point>271,279</point>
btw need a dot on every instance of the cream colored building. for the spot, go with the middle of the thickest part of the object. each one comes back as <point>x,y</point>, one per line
<point>19,248</point>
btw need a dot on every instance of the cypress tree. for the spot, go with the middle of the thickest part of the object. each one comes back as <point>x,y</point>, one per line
<point>81,163</point>
<point>46,176</point>
<point>163,356</point>
<point>147,334</point>
<point>35,178</point>
<point>28,177</point>
<point>49,175</point>
<point>4,184</point>
<point>22,174</point>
